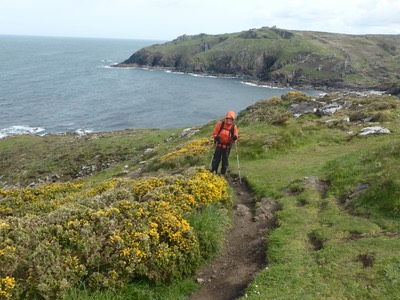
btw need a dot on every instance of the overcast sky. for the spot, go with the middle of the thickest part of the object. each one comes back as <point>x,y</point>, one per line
<point>168,19</point>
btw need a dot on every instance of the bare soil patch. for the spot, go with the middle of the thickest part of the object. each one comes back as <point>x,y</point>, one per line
<point>227,276</point>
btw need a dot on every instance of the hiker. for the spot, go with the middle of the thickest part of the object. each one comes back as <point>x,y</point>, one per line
<point>225,134</point>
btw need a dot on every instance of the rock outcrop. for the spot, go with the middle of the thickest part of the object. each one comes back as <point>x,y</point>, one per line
<point>282,57</point>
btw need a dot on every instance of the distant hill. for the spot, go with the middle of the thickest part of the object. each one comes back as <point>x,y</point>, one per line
<point>283,57</point>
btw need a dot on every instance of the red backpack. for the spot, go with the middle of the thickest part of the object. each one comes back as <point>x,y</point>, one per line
<point>231,132</point>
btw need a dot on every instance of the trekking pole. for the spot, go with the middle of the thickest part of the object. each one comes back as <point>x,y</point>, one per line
<point>213,152</point>
<point>238,165</point>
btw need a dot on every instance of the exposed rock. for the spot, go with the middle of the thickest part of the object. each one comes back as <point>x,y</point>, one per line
<point>338,121</point>
<point>374,130</point>
<point>299,109</point>
<point>188,132</point>
<point>315,107</point>
<point>148,150</point>
<point>52,178</point>
<point>283,33</point>
<point>169,138</point>
<point>250,34</point>
<point>265,209</point>
<point>329,109</point>
<point>394,91</point>
<point>88,170</point>
<point>125,170</point>
<point>287,67</point>
<point>242,210</point>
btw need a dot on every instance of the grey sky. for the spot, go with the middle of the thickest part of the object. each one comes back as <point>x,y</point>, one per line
<point>166,20</point>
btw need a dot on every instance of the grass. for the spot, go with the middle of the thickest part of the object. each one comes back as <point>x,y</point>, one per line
<point>138,291</point>
<point>361,61</point>
<point>337,229</point>
<point>326,250</point>
<point>211,224</point>
<point>335,244</point>
<point>27,159</point>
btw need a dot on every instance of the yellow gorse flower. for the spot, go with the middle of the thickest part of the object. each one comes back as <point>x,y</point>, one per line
<point>193,148</point>
<point>7,284</point>
<point>117,230</point>
<point>37,200</point>
<point>4,225</point>
<point>8,250</point>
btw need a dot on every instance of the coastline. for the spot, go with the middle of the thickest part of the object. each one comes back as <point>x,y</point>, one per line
<point>341,88</point>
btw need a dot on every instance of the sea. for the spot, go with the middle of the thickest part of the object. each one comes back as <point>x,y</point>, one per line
<point>55,85</point>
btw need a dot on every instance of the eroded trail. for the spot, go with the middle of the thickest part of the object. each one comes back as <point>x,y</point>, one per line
<point>226,277</point>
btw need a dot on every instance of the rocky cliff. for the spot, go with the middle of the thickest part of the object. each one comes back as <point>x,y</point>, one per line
<point>283,57</point>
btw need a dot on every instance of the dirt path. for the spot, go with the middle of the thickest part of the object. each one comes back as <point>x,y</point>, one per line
<point>226,277</point>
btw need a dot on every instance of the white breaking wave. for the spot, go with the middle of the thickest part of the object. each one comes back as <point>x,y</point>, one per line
<point>174,72</point>
<point>22,129</point>
<point>261,85</point>
<point>82,132</point>
<point>19,129</point>
<point>202,75</point>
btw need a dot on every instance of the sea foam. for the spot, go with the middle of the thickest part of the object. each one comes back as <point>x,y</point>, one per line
<point>19,129</point>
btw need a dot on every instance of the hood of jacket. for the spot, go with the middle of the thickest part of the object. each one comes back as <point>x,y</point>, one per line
<point>230,114</point>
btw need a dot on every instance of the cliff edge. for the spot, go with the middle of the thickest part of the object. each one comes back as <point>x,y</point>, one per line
<point>283,58</point>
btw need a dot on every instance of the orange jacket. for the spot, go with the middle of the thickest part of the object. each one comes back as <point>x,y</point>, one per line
<point>225,133</point>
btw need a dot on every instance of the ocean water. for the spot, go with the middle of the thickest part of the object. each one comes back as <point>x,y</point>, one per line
<point>57,85</point>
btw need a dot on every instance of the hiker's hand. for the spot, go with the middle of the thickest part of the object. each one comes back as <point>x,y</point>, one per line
<point>235,137</point>
<point>216,139</point>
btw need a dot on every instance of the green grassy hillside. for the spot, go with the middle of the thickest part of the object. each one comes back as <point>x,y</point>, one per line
<point>283,57</point>
<point>67,198</point>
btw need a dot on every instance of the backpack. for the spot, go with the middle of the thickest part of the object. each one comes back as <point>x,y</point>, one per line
<point>232,130</point>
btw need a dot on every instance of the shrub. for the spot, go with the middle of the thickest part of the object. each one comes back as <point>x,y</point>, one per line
<point>274,101</point>
<point>57,236</point>
<point>193,148</point>
<point>272,115</point>
<point>7,284</point>
<point>295,97</point>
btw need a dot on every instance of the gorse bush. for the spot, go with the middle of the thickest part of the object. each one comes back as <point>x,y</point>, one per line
<point>107,235</point>
<point>295,97</point>
<point>192,148</point>
<point>40,200</point>
<point>273,111</point>
<point>187,154</point>
<point>7,284</point>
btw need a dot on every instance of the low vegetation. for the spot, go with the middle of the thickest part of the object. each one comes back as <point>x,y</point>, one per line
<point>103,235</point>
<point>140,222</point>
<point>283,57</point>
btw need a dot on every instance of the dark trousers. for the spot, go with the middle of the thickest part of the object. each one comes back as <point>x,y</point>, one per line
<point>220,153</point>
